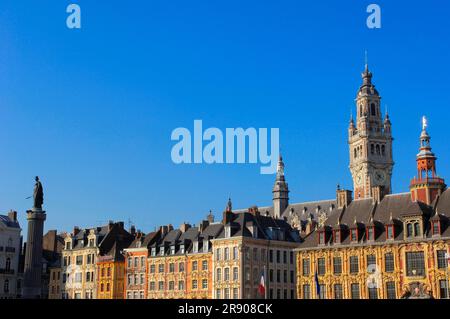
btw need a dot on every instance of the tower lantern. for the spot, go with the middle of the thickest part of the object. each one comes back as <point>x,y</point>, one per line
<point>427,184</point>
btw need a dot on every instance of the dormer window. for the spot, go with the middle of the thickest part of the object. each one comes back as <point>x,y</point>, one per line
<point>413,228</point>
<point>161,252</point>
<point>228,231</point>
<point>436,226</point>
<point>205,245</point>
<point>321,238</point>
<point>337,236</point>
<point>354,234</point>
<point>153,251</point>
<point>195,247</point>
<point>182,248</point>
<point>390,232</point>
<point>172,250</point>
<point>371,233</point>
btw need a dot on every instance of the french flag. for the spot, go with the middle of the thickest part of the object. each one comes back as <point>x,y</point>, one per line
<point>262,285</point>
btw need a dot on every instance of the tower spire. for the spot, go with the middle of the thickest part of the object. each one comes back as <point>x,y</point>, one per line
<point>427,185</point>
<point>280,190</point>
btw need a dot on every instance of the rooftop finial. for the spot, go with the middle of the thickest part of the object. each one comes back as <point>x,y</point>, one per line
<point>424,123</point>
<point>366,60</point>
<point>280,166</point>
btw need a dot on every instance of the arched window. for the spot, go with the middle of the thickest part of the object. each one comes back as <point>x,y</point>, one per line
<point>8,264</point>
<point>378,149</point>
<point>373,110</point>
<point>360,110</point>
<point>383,150</point>
<point>356,153</point>
<point>416,229</point>
<point>6,286</point>
<point>372,149</point>
<point>409,229</point>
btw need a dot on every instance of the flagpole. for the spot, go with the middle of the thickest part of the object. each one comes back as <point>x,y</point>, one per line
<point>265,282</point>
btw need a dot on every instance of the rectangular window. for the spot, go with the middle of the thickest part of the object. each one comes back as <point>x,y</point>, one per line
<point>285,276</point>
<point>291,257</point>
<point>370,233</point>
<point>278,257</point>
<point>321,266</point>
<point>285,257</point>
<point>373,293</point>
<point>152,285</point>
<point>443,289</point>
<point>354,235</point>
<point>354,290</point>
<point>226,254</point>
<point>415,264</point>
<point>306,266</point>
<point>79,260</point>
<point>390,232</point>
<point>338,291</point>
<point>278,275</point>
<point>171,267</point>
<point>171,285</point>
<point>441,260</point>
<point>180,285</point>
<point>161,268</point>
<point>389,262</point>
<point>181,267</point>
<point>292,276</point>
<point>255,254</point>
<point>271,256</point>
<point>271,275</point>
<point>371,260</point>
<point>218,295</point>
<point>152,269</point>
<point>227,293</point>
<point>390,290</point>
<point>161,285</point>
<point>354,264</point>
<point>204,284</point>
<point>321,238</point>
<point>235,253</point>
<point>436,228</point>
<point>204,265</point>
<point>235,293</point>
<point>323,291</point>
<point>194,265</point>
<point>337,265</point>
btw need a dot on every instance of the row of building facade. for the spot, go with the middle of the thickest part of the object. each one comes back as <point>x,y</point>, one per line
<point>367,243</point>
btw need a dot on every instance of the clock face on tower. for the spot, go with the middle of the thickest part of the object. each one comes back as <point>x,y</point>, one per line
<point>380,177</point>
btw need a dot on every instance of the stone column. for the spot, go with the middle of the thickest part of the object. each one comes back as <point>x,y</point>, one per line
<point>33,255</point>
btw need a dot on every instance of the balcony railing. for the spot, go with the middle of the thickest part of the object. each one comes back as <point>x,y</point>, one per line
<point>6,271</point>
<point>431,180</point>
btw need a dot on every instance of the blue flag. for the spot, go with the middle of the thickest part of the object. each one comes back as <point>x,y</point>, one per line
<point>316,278</point>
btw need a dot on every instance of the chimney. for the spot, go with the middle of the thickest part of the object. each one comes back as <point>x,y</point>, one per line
<point>184,227</point>
<point>121,225</point>
<point>210,217</point>
<point>110,225</point>
<point>310,226</point>
<point>12,215</point>
<point>203,225</point>
<point>343,197</point>
<point>227,217</point>
<point>378,193</point>
<point>76,230</point>
<point>165,229</point>
<point>133,230</point>
<point>254,211</point>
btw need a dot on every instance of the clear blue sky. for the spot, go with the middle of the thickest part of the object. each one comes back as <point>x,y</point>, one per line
<point>91,111</point>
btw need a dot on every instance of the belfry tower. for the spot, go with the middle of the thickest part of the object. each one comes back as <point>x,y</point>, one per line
<point>280,191</point>
<point>427,185</point>
<point>370,142</point>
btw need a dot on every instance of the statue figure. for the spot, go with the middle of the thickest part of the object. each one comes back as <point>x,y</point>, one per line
<point>38,194</point>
